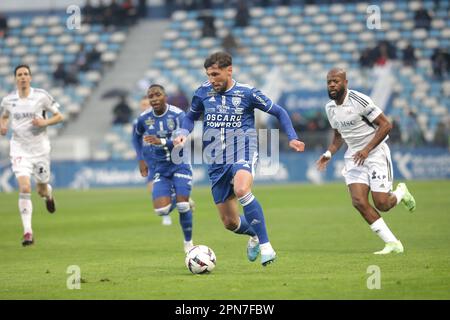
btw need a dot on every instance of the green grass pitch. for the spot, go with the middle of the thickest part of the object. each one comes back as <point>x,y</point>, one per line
<point>324,248</point>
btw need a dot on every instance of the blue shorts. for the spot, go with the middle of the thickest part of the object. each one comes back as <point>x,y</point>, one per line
<point>222,179</point>
<point>171,178</point>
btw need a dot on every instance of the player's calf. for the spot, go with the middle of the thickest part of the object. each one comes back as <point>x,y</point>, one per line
<point>384,201</point>
<point>383,205</point>
<point>229,223</point>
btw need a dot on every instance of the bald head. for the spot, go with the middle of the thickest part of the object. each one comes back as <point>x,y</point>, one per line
<point>337,84</point>
<point>337,72</point>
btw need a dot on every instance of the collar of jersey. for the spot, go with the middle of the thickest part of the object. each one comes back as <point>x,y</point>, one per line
<point>159,116</point>
<point>31,92</point>
<point>234,84</point>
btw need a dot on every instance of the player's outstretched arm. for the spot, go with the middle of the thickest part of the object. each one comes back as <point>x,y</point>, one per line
<point>332,149</point>
<point>286,125</point>
<point>180,135</point>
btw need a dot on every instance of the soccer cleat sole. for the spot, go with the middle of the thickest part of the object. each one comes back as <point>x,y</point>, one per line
<point>28,240</point>
<point>268,261</point>
<point>50,204</point>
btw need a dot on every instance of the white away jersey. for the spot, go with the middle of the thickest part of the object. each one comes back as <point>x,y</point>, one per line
<point>28,140</point>
<point>353,119</point>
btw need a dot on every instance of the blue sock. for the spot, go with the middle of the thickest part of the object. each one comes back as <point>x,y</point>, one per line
<point>254,214</point>
<point>185,220</point>
<point>244,227</point>
<point>173,204</point>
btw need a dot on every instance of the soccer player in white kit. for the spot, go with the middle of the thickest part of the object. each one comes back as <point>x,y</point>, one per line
<point>359,123</point>
<point>26,109</point>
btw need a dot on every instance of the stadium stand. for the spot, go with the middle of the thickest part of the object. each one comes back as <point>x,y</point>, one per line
<point>301,41</point>
<point>43,42</point>
<point>305,42</point>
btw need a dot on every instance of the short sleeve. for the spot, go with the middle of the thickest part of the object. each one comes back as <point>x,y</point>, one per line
<point>366,107</point>
<point>50,103</point>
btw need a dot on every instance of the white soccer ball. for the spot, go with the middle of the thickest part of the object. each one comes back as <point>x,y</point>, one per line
<point>200,259</point>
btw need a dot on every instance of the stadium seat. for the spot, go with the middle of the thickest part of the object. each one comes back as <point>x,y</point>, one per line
<point>306,40</point>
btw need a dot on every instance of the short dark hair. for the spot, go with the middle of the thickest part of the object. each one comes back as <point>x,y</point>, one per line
<point>222,59</point>
<point>156,85</point>
<point>22,66</point>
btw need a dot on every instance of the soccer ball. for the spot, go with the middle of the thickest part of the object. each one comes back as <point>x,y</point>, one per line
<point>200,259</point>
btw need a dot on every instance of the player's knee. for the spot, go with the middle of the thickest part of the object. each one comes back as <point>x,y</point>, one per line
<point>241,191</point>
<point>25,188</point>
<point>163,211</point>
<point>183,207</point>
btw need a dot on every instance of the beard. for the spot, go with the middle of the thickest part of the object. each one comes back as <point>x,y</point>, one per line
<point>337,94</point>
<point>222,88</point>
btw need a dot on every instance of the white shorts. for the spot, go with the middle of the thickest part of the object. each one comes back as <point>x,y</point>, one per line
<point>39,167</point>
<point>376,172</point>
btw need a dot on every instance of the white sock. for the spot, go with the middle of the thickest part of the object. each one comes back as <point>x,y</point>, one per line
<point>49,191</point>
<point>166,220</point>
<point>26,211</point>
<point>188,245</point>
<point>399,194</point>
<point>383,231</point>
<point>266,248</point>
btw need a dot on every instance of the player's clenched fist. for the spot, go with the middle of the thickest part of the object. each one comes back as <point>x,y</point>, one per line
<point>37,122</point>
<point>152,139</point>
<point>297,145</point>
<point>180,140</point>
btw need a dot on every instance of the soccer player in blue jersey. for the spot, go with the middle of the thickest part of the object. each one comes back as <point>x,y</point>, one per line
<point>147,168</point>
<point>152,140</point>
<point>228,108</point>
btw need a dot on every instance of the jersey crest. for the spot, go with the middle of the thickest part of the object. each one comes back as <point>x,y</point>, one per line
<point>236,101</point>
<point>150,122</point>
<point>170,124</point>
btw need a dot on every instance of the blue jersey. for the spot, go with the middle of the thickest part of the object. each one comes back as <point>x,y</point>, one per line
<point>162,126</point>
<point>229,134</point>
